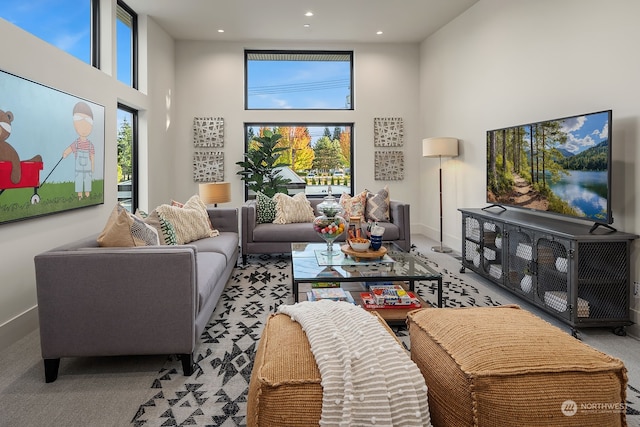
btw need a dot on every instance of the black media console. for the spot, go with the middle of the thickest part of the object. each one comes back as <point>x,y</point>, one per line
<point>577,273</point>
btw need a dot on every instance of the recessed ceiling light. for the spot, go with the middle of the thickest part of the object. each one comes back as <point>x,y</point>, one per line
<point>378,32</point>
<point>308,13</point>
<point>221,31</point>
<point>307,25</point>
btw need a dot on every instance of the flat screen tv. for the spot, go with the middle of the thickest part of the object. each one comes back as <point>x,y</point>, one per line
<point>560,166</point>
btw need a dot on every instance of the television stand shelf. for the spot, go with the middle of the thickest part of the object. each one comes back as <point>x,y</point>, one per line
<point>578,274</point>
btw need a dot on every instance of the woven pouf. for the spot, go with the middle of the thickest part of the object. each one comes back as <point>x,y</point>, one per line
<point>285,389</point>
<point>503,366</point>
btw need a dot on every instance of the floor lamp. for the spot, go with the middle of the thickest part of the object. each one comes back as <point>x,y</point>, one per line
<point>440,147</point>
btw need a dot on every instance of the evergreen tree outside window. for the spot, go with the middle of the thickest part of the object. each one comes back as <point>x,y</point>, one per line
<point>127,157</point>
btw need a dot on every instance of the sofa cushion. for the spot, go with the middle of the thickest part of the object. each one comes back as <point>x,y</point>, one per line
<point>354,206</point>
<point>378,205</point>
<point>298,232</point>
<point>292,209</point>
<point>226,244</point>
<point>191,221</point>
<point>166,231</point>
<point>124,229</point>
<point>210,266</point>
<point>265,208</point>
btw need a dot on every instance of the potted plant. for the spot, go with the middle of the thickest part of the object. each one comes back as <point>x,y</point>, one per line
<point>260,167</point>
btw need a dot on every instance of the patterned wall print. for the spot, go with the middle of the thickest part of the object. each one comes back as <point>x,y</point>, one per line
<point>388,132</point>
<point>208,166</point>
<point>208,132</point>
<point>389,165</point>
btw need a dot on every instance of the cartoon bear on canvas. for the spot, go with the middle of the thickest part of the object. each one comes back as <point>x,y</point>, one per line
<point>7,152</point>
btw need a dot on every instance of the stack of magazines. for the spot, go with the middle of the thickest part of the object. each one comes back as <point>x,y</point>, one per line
<point>389,296</point>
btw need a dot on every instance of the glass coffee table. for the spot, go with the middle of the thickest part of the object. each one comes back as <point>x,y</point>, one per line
<point>309,266</point>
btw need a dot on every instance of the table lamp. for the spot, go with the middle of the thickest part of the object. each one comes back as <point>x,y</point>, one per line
<point>212,193</point>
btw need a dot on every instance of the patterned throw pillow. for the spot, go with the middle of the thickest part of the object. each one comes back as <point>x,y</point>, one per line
<point>166,232</point>
<point>191,221</point>
<point>265,208</point>
<point>378,205</point>
<point>123,229</point>
<point>292,209</point>
<point>354,206</point>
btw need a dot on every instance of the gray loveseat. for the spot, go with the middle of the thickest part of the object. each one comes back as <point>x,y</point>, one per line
<point>98,301</point>
<point>277,238</point>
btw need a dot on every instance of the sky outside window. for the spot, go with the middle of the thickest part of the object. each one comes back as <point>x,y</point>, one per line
<point>298,80</point>
<point>65,24</point>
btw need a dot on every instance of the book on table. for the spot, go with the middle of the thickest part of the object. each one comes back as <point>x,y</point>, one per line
<point>334,294</point>
<point>325,284</point>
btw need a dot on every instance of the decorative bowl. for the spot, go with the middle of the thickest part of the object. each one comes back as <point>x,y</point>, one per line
<point>359,245</point>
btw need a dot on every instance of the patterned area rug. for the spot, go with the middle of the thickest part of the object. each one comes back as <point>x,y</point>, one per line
<point>216,393</point>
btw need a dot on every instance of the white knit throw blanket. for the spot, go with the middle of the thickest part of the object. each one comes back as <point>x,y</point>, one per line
<point>368,379</point>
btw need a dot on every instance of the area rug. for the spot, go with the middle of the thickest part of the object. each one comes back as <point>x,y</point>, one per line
<point>216,394</point>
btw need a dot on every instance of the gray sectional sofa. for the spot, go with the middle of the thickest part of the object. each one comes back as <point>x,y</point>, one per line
<point>99,301</point>
<point>277,238</point>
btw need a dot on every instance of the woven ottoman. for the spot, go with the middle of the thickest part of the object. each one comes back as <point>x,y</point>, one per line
<point>285,389</point>
<point>503,366</point>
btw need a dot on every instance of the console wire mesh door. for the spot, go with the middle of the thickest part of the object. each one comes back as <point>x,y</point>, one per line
<point>552,289</point>
<point>520,277</point>
<point>602,292</point>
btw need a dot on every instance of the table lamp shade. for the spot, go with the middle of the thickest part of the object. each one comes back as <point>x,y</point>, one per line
<point>212,193</point>
<point>440,147</point>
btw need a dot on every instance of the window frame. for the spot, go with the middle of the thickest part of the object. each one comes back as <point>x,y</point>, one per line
<point>134,41</point>
<point>248,52</point>
<point>328,124</point>
<point>134,154</point>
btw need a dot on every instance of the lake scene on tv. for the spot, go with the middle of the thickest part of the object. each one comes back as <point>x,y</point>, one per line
<point>559,166</point>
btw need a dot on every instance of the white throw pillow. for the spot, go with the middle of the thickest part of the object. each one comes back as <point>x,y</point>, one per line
<point>292,209</point>
<point>191,221</point>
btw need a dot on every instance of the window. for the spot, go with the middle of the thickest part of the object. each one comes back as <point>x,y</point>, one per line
<point>71,25</point>
<point>319,155</point>
<point>127,157</point>
<point>126,45</point>
<point>315,80</point>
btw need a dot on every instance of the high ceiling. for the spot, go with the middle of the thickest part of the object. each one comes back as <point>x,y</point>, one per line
<point>400,21</point>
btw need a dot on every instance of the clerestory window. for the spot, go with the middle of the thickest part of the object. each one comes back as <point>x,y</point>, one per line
<point>313,80</point>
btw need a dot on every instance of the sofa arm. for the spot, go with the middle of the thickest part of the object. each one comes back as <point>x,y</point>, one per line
<point>116,301</point>
<point>249,217</point>
<point>224,219</point>
<point>399,215</point>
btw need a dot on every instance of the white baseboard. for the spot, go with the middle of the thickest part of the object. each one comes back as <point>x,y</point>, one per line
<point>19,327</point>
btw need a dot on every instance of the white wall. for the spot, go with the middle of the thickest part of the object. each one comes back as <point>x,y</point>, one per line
<point>210,82</point>
<point>507,62</point>
<point>41,62</point>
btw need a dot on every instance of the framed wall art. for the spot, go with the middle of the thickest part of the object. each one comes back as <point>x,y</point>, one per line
<point>208,132</point>
<point>51,150</point>
<point>389,165</point>
<point>388,132</point>
<point>208,166</point>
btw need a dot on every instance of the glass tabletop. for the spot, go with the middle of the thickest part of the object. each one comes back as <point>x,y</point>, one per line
<point>397,265</point>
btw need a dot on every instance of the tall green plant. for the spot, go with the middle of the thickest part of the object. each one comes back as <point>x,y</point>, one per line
<point>261,163</point>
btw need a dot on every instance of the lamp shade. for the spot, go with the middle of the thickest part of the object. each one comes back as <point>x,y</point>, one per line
<point>440,147</point>
<point>212,193</point>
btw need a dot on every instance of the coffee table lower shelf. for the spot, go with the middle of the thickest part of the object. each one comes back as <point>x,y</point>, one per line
<point>393,316</point>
